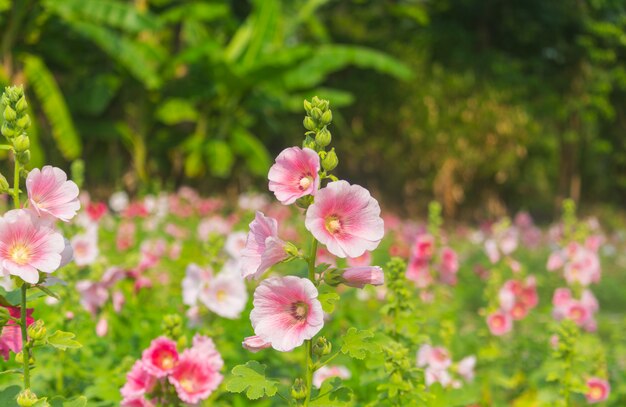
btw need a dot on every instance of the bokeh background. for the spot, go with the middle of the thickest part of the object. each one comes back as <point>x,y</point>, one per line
<point>489,106</point>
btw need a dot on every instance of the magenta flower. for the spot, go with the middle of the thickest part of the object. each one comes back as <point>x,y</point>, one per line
<point>50,193</point>
<point>295,174</point>
<point>11,334</point>
<point>263,247</point>
<point>346,219</point>
<point>358,277</point>
<point>138,382</point>
<point>194,378</point>
<point>286,312</point>
<point>597,390</point>
<point>254,344</point>
<point>28,244</point>
<point>499,323</point>
<point>161,357</point>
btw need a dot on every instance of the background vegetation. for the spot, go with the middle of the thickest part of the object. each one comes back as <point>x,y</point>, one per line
<point>486,106</point>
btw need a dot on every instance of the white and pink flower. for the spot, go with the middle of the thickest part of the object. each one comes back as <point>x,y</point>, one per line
<point>51,194</point>
<point>295,174</point>
<point>263,247</point>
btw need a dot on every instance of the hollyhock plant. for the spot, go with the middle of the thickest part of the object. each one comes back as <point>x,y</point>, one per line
<point>51,194</point>
<point>263,247</point>
<point>346,219</point>
<point>598,390</point>
<point>295,174</point>
<point>138,382</point>
<point>161,357</point>
<point>286,312</point>
<point>194,378</point>
<point>28,245</point>
<point>499,323</point>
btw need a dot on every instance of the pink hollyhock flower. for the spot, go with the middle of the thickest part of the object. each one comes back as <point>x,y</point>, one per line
<point>226,295</point>
<point>215,225</point>
<point>465,367</point>
<point>555,261</point>
<point>418,271</point>
<point>499,323</point>
<point>286,312</point>
<point>577,312</point>
<point>96,210</point>
<point>358,277</point>
<point>125,238</point>
<point>584,268</point>
<point>195,281</point>
<point>491,248</point>
<point>323,256</point>
<point>137,402</point>
<point>118,201</point>
<point>346,219</point>
<point>432,375</point>
<point>295,174</point>
<point>327,372</point>
<point>138,382</point>
<point>363,260</point>
<point>92,295</point>
<point>263,247</point>
<point>27,244</point>
<point>161,357</point>
<point>449,261</point>
<point>254,344</point>
<point>51,194</point>
<point>519,311</point>
<point>204,348</point>
<point>11,336</point>
<point>102,327</point>
<point>85,248</point>
<point>561,297</point>
<point>118,300</point>
<point>424,247</point>
<point>436,357</point>
<point>194,378</point>
<point>589,301</point>
<point>235,243</point>
<point>597,390</point>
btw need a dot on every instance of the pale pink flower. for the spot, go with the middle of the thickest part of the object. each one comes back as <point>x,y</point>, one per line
<point>161,357</point>
<point>195,281</point>
<point>589,301</point>
<point>118,201</point>
<point>555,261</point>
<point>436,357</point>
<point>327,372</point>
<point>118,300</point>
<point>358,277</point>
<point>204,348</point>
<point>67,255</point>
<point>138,382</point>
<point>85,248</point>
<point>263,247</point>
<point>561,297</point>
<point>346,219</point>
<point>286,312</point>
<point>432,375</point>
<point>254,344</point>
<point>584,268</point>
<point>215,225</point>
<point>295,174</point>
<point>226,295</point>
<point>28,244</point>
<point>491,248</point>
<point>92,295</point>
<point>465,367</point>
<point>499,323</point>
<point>597,390</point>
<point>235,243</point>
<point>102,327</point>
<point>51,194</point>
<point>194,378</point>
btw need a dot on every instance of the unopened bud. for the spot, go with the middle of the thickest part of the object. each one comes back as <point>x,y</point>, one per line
<point>37,331</point>
<point>323,137</point>
<point>7,130</point>
<point>292,250</point>
<point>309,123</point>
<point>304,202</point>
<point>23,157</point>
<point>332,277</point>
<point>21,143</point>
<point>9,114</point>
<point>327,117</point>
<point>316,114</point>
<point>307,106</point>
<point>322,347</point>
<point>330,160</point>
<point>23,122</point>
<point>21,105</point>
<point>27,398</point>
<point>298,390</point>
<point>309,142</point>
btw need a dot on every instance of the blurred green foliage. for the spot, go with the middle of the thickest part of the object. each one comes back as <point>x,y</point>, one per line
<point>483,105</point>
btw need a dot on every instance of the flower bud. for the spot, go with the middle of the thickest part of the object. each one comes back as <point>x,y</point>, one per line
<point>19,357</point>
<point>309,142</point>
<point>332,277</point>
<point>23,157</point>
<point>254,344</point>
<point>323,137</point>
<point>23,122</point>
<point>316,114</point>
<point>327,117</point>
<point>330,160</point>
<point>323,105</point>
<point>7,130</point>
<point>315,101</point>
<point>9,114</point>
<point>307,106</point>
<point>21,105</point>
<point>27,398</point>
<point>4,188</point>
<point>37,331</point>
<point>322,347</point>
<point>304,202</point>
<point>309,123</point>
<point>298,390</point>
<point>292,250</point>
<point>21,143</point>
<point>358,277</point>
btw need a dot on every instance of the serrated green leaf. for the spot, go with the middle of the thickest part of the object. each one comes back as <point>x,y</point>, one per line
<point>328,300</point>
<point>332,394</point>
<point>251,379</point>
<point>358,344</point>
<point>63,340</point>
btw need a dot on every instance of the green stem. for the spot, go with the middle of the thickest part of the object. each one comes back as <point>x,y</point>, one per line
<point>309,347</point>
<point>327,361</point>
<point>25,349</point>
<point>16,185</point>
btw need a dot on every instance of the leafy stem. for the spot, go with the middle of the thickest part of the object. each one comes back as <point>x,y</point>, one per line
<point>309,347</point>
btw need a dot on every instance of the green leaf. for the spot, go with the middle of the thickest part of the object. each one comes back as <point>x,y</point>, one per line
<point>251,378</point>
<point>328,300</point>
<point>196,11</point>
<point>63,340</point>
<point>58,401</point>
<point>252,150</point>
<point>357,344</point>
<point>332,394</point>
<point>54,106</point>
<point>122,15</point>
<point>220,158</point>
<point>8,395</point>
<point>175,110</point>
<point>48,292</point>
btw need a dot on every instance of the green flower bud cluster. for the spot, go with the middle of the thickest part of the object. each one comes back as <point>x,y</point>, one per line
<point>16,122</point>
<point>37,331</point>
<point>172,326</point>
<point>318,137</point>
<point>322,347</point>
<point>299,389</point>
<point>27,398</point>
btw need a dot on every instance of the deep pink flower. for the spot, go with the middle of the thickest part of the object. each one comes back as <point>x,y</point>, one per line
<point>286,312</point>
<point>346,219</point>
<point>295,174</point>
<point>194,378</point>
<point>96,210</point>
<point>161,357</point>
<point>499,323</point>
<point>597,390</point>
<point>418,271</point>
<point>263,247</point>
<point>327,372</point>
<point>254,344</point>
<point>424,246</point>
<point>139,401</point>
<point>561,297</point>
<point>138,382</point>
<point>358,277</point>
<point>11,336</point>
<point>28,244</point>
<point>51,194</point>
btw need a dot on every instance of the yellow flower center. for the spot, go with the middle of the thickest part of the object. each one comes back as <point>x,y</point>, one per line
<point>167,362</point>
<point>299,310</point>
<point>333,225</point>
<point>306,182</point>
<point>20,254</point>
<point>187,384</point>
<point>221,295</point>
<point>595,392</point>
